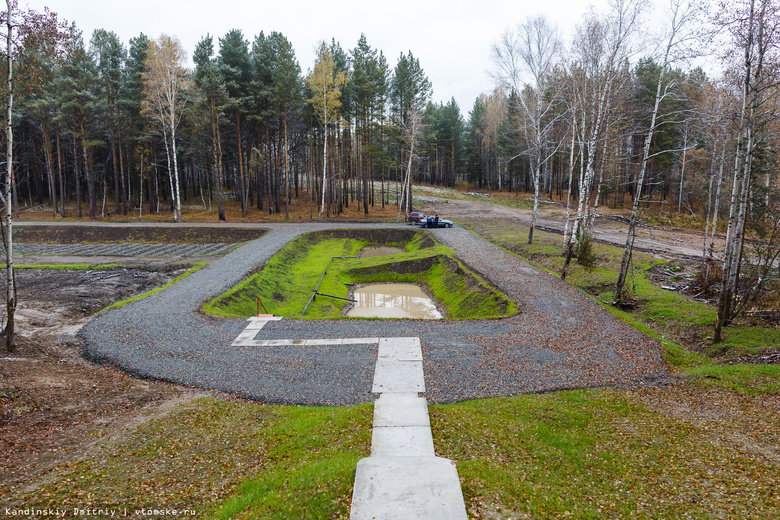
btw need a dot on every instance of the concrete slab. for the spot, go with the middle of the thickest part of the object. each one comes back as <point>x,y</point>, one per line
<point>246,335</point>
<point>402,441</point>
<point>359,341</point>
<point>390,488</point>
<point>400,349</point>
<point>279,343</point>
<point>401,410</point>
<point>258,322</point>
<point>398,377</point>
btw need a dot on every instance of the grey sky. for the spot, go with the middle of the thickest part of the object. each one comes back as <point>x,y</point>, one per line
<point>451,39</point>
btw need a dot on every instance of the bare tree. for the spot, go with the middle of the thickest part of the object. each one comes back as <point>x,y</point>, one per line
<point>602,48</point>
<point>166,92</point>
<point>412,134</point>
<point>680,34</point>
<point>755,30</point>
<point>524,62</point>
<point>10,280</point>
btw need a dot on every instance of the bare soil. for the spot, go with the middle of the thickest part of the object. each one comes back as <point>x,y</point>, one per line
<point>55,405</point>
<point>609,228</point>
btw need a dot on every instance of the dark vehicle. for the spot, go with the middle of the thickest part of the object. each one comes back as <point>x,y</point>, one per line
<point>435,221</point>
<point>416,216</point>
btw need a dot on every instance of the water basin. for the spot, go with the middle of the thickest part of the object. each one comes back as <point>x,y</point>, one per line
<point>393,300</point>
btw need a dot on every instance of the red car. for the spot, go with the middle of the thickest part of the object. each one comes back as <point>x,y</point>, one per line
<point>417,216</point>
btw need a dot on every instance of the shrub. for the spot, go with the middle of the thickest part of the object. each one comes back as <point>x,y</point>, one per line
<point>586,257</point>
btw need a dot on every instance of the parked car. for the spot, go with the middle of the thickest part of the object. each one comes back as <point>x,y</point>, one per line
<point>435,221</point>
<point>416,216</point>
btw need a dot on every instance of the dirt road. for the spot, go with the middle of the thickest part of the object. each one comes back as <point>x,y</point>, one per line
<point>665,243</point>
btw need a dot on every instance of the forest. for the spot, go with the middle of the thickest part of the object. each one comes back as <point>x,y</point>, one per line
<point>610,118</point>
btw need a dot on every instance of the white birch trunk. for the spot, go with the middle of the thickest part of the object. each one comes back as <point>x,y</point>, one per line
<point>10,280</point>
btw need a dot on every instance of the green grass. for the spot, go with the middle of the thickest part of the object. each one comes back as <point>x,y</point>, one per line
<point>681,324</point>
<point>223,459</point>
<point>602,454</point>
<point>195,267</point>
<point>740,378</point>
<point>311,455</point>
<point>287,281</point>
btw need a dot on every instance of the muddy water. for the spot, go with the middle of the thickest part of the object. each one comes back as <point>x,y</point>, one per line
<point>393,300</point>
<point>371,252</point>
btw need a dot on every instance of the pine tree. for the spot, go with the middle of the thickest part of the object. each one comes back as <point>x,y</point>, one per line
<point>110,56</point>
<point>286,78</point>
<point>209,80</point>
<point>79,101</point>
<point>236,69</point>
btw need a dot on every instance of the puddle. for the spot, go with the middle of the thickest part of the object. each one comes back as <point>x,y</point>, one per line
<point>371,252</point>
<point>393,300</point>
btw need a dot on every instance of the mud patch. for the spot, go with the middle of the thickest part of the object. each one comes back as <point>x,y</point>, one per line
<point>393,300</point>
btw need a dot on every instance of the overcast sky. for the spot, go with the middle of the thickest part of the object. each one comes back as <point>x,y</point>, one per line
<point>452,39</point>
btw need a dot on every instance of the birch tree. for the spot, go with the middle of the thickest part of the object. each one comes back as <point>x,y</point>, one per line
<point>602,47</point>
<point>33,30</point>
<point>10,279</point>
<point>325,84</point>
<point>166,92</point>
<point>680,33</point>
<point>754,27</point>
<point>525,60</point>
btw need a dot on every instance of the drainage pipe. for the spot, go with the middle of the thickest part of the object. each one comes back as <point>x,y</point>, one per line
<point>316,291</point>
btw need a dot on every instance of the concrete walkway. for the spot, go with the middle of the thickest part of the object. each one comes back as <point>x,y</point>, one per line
<point>403,478</point>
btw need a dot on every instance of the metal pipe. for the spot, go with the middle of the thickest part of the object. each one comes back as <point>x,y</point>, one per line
<point>316,291</point>
<point>338,297</point>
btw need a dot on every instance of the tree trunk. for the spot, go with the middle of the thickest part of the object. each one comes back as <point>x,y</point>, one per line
<point>59,172</point>
<point>241,175</point>
<point>10,279</point>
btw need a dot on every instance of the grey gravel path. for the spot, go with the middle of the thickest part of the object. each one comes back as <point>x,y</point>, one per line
<point>559,340</point>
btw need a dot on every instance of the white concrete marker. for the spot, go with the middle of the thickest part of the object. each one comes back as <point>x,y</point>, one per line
<point>247,337</point>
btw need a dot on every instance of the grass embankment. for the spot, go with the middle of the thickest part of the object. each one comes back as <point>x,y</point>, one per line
<point>222,459</point>
<point>287,281</point>
<point>682,324</point>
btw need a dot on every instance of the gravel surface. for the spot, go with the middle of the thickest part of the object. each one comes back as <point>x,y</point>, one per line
<point>559,340</point>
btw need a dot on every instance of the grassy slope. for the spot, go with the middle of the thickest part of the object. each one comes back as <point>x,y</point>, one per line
<point>287,281</point>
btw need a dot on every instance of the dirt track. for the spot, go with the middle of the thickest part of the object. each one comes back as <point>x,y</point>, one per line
<point>663,242</point>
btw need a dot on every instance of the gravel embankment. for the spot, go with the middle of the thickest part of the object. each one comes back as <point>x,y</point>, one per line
<point>560,339</point>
